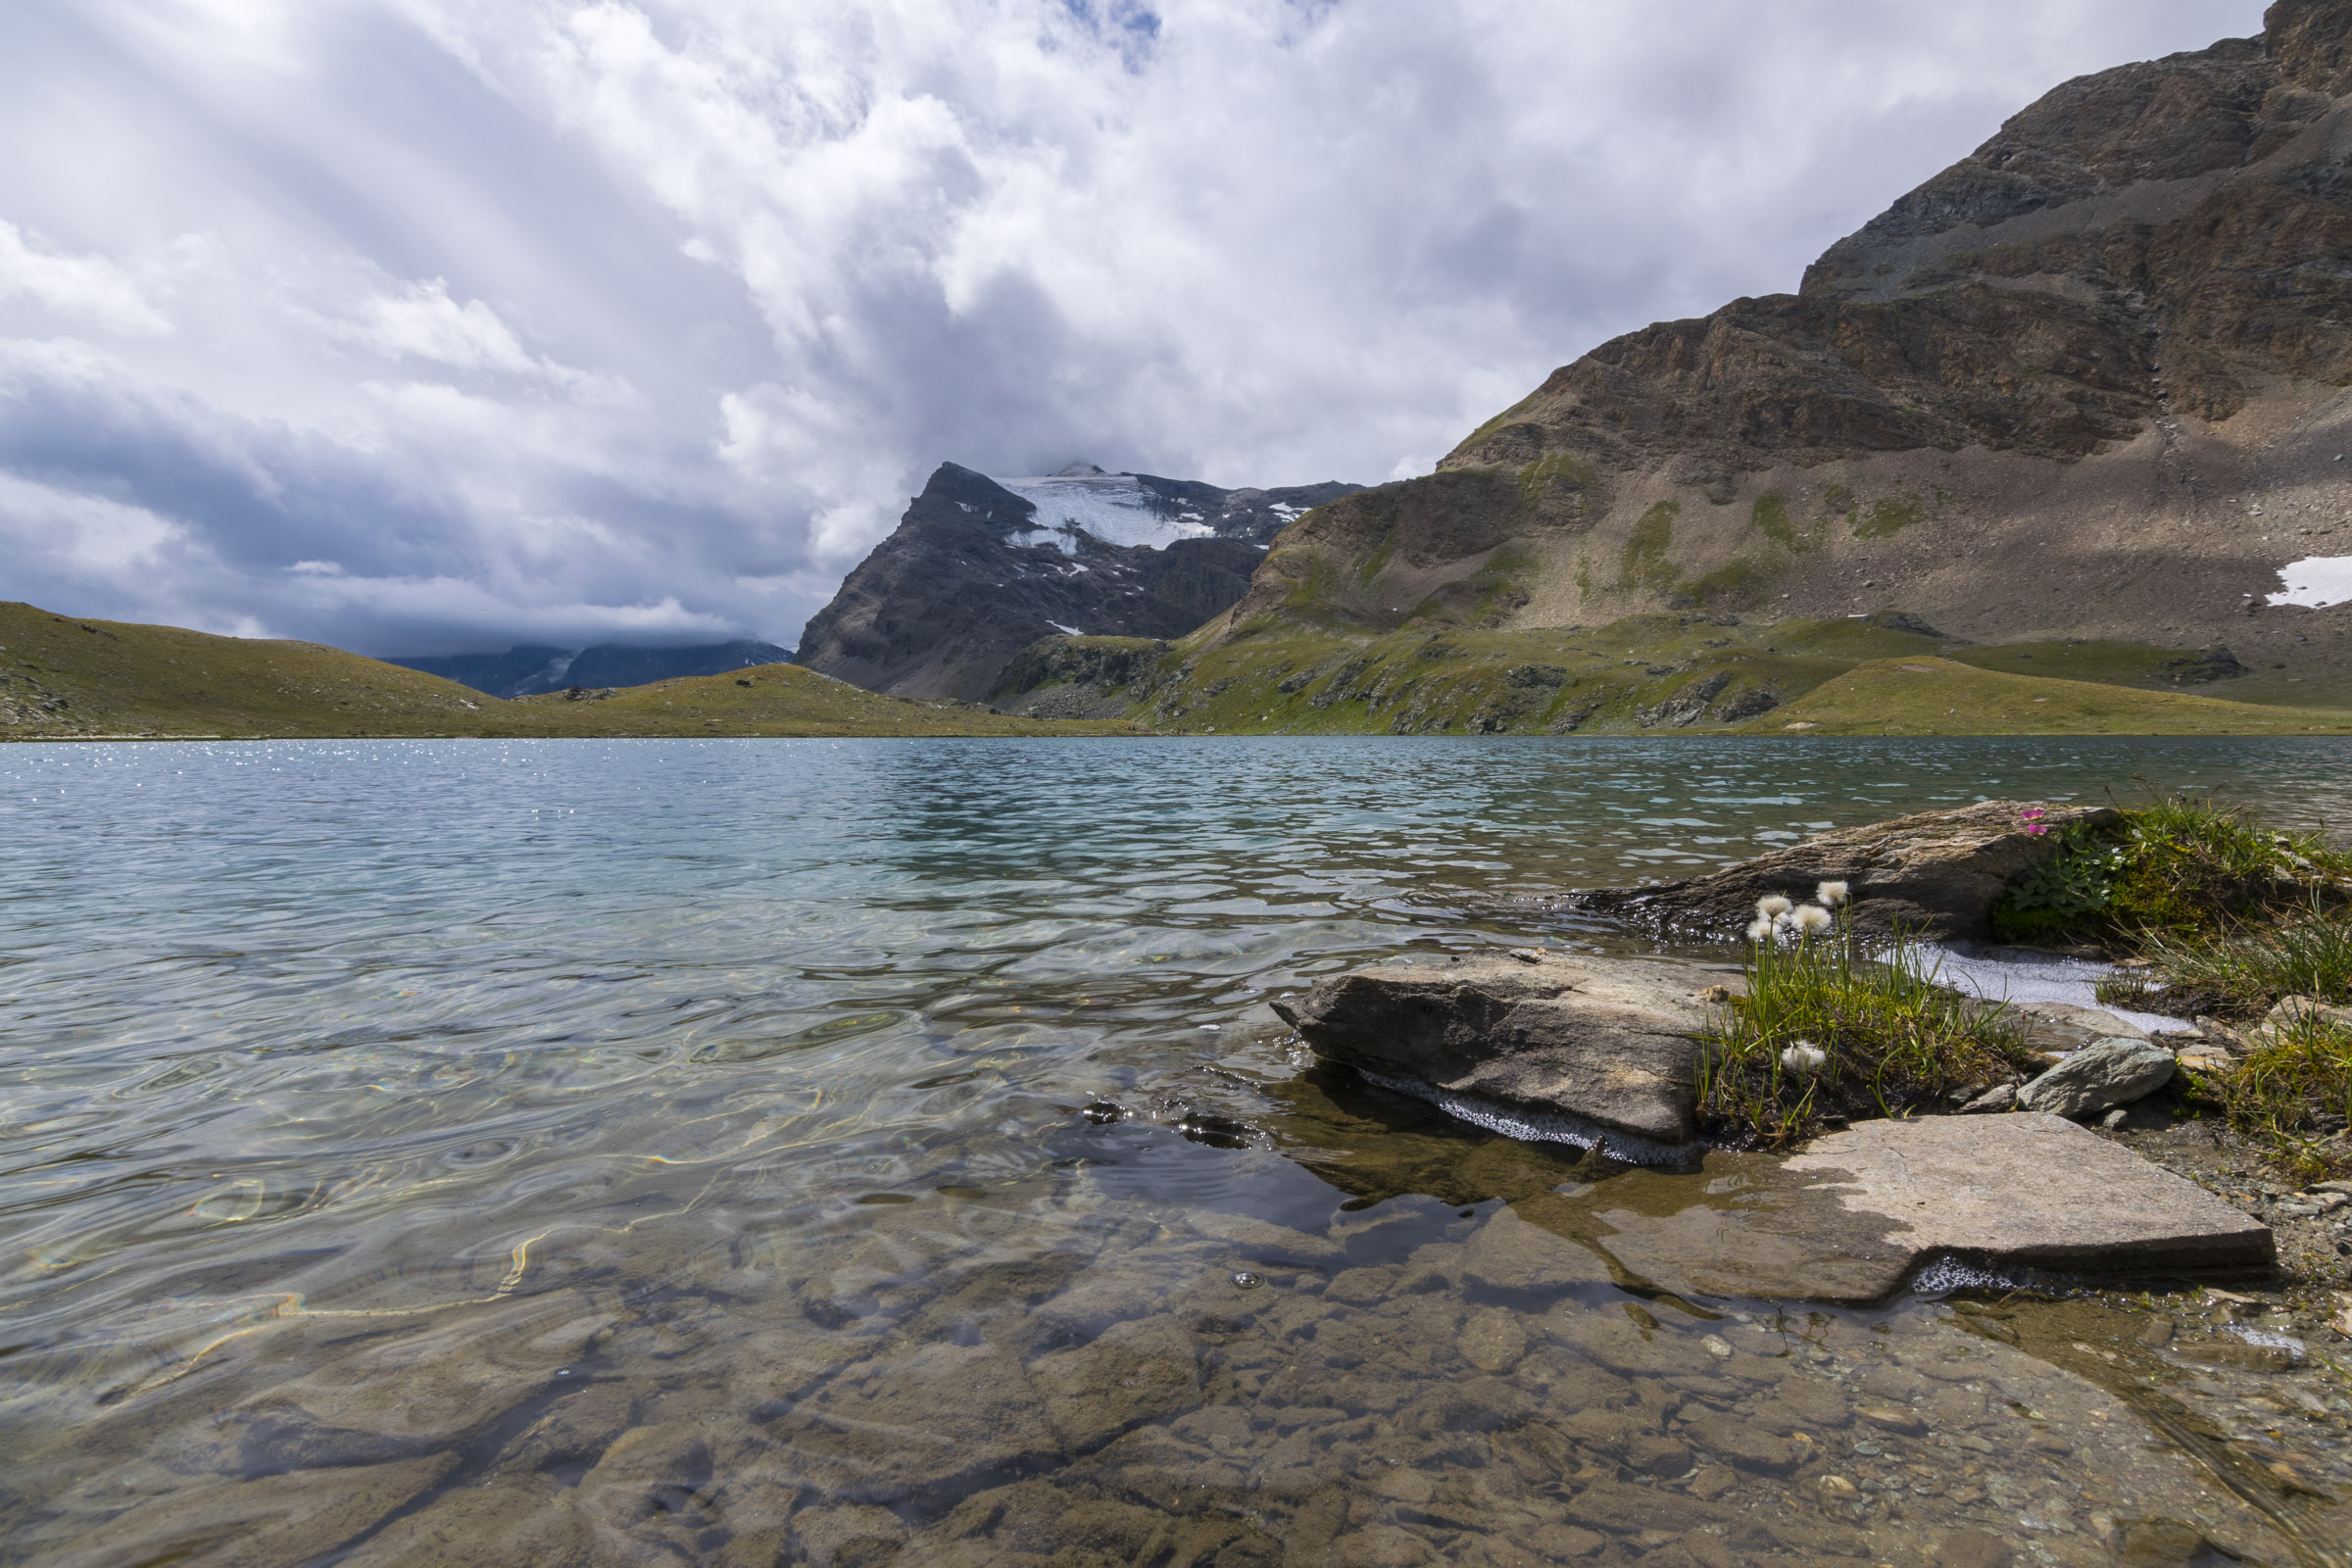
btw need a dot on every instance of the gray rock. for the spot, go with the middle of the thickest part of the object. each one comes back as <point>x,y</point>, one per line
<point>1856,1214</point>
<point>1612,1043</point>
<point>2111,1072</point>
<point>1936,874</point>
<point>1999,1097</point>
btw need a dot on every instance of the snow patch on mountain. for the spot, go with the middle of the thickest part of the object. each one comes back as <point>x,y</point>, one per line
<point>1114,507</point>
<point>2317,581</point>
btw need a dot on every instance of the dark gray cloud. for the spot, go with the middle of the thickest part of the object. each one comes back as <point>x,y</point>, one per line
<point>417,324</point>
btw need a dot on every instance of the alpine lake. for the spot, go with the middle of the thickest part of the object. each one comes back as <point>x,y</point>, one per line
<point>850,1153</point>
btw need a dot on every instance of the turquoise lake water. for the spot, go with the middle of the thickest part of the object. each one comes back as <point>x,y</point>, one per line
<point>584,1150</point>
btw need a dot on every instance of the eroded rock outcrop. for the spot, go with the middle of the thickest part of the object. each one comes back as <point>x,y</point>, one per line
<point>1936,874</point>
<point>1608,1045</point>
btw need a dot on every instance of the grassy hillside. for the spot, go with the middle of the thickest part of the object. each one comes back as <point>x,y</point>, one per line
<point>61,678</point>
<point>1651,673</point>
<point>1944,697</point>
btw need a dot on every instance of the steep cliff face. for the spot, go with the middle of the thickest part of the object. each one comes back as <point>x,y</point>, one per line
<point>2088,381</point>
<point>979,568</point>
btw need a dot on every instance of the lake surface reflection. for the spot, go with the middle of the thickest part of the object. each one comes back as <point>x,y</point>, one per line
<point>680,1151</point>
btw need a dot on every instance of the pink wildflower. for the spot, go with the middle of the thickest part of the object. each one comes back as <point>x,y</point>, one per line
<point>2035,827</point>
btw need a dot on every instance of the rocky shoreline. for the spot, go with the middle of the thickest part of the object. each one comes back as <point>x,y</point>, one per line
<point>2077,1163</point>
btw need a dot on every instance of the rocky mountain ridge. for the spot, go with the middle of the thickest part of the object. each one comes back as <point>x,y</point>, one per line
<point>2088,382</point>
<point>527,669</point>
<point>979,568</point>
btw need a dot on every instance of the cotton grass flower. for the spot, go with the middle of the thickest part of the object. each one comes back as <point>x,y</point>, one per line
<point>1831,894</point>
<point>1759,929</point>
<point>1772,906</point>
<point>1808,919</point>
<point>1804,1057</point>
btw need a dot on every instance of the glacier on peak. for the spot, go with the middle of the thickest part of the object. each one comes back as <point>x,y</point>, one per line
<point>1114,507</point>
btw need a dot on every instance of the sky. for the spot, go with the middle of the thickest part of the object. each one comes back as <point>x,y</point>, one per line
<point>422,326</point>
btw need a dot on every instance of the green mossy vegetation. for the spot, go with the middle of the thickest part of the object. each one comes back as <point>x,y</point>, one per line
<point>1888,516</point>
<point>2175,877</point>
<point>2293,1094</point>
<point>1554,473</point>
<point>1770,517</point>
<point>2220,917</point>
<point>1644,563</point>
<point>1894,1042</point>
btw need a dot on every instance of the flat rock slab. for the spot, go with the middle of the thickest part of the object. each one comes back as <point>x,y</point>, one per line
<point>1937,873</point>
<point>1606,1042</point>
<point>1861,1211</point>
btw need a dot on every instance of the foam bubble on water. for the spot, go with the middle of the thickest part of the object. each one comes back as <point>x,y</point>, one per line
<point>1948,1275</point>
<point>2272,1340</point>
<point>2034,977</point>
<point>1542,1127</point>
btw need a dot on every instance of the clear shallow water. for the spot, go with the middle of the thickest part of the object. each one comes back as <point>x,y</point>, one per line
<point>674,1151</point>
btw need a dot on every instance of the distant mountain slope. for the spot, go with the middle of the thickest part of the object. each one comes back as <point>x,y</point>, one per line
<point>526,670</point>
<point>65,678</point>
<point>2089,382</point>
<point>979,568</point>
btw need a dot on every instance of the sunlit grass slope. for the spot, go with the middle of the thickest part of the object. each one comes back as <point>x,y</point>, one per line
<point>63,677</point>
<point>1930,696</point>
<point>1665,673</point>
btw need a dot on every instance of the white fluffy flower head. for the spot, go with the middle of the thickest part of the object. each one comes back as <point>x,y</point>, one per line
<point>1831,894</point>
<point>1771,904</point>
<point>1809,917</point>
<point>1759,929</point>
<point>1804,1057</point>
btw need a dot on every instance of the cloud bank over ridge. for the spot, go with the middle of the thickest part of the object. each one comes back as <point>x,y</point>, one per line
<point>413,326</point>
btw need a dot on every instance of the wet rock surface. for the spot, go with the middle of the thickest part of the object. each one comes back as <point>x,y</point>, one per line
<point>1854,1215</point>
<point>1936,874</point>
<point>1609,1042</point>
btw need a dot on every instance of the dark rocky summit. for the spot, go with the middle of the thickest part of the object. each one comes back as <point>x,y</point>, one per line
<point>1936,874</point>
<point>2087,382</point>
<point>979,568</point>
<point>527,669</point>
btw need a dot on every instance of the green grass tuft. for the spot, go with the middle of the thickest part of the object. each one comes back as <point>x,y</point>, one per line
<point>1896,1041</point>
<point>2242,974</point>
<point>2182,874</point>
<point>2286,1089</point>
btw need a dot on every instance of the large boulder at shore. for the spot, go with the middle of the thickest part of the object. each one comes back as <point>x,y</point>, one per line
<point>2107,1074</point>
<point>1607,1047</point>
<point>1936,874</point>
<point>1863,1211</point>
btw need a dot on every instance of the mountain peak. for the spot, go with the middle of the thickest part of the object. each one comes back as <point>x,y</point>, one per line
<point>1080,470</point>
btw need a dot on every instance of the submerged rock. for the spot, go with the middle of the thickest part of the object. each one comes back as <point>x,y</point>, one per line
<point>1861,1211</point>
<point>2116,1071</point>
<point>1609,1043</point>
<point>1936,874</point>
